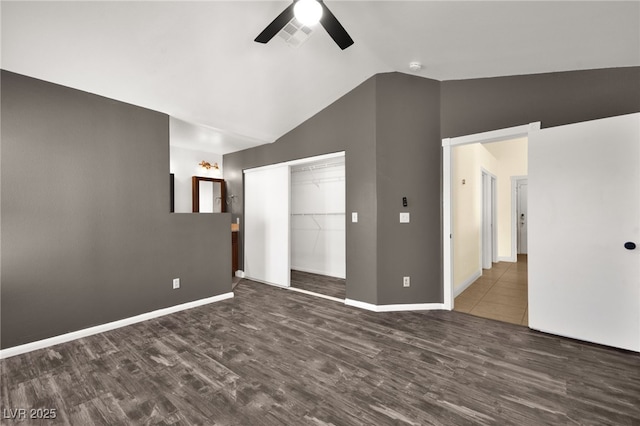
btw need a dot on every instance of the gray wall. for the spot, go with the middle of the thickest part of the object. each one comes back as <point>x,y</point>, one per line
<point>87,237</point>
<point>346,125</point>
<point>408,160</point>
<point>391,127</point>
<point>554,99</point>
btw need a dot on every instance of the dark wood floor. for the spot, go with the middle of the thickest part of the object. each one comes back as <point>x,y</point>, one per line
<point>322,284</point>
<point>271,356</point>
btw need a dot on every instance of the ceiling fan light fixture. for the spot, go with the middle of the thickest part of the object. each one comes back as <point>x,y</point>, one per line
<point>308,12</point>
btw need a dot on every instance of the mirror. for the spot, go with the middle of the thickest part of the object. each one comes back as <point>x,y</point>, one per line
<point>207,195</point>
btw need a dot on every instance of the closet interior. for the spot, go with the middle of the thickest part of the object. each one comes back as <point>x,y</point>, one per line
<point>318,228</point>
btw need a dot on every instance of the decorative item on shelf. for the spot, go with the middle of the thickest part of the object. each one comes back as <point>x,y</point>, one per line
<point>207,165</point>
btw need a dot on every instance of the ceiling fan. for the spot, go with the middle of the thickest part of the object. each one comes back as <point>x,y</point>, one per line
<point>308,12</point>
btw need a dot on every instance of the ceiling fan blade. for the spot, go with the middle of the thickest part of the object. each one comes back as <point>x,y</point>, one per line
<point>334,28</point>
<point>276,25</point>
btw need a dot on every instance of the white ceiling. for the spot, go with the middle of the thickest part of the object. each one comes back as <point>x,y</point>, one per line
<point>197,61</point>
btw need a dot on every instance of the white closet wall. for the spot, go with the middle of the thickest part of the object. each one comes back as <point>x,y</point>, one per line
<point>318,218</point>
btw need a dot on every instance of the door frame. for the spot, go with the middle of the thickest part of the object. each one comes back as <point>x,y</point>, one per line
<point>515,180</point>
<point>289,164</point>
<point>447,219</point>
<point>488,251</point>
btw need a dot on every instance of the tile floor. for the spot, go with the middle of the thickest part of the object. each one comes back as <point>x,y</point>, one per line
<point>500,293</point>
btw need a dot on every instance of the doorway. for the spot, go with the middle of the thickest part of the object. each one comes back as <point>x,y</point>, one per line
<point>450,186</point>
<point>493,284</point>
<point>318,227</point>
<point>284,224</point>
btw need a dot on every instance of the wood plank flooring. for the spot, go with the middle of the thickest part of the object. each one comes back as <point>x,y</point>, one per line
<point>322,284</point>
<point>271,356</point>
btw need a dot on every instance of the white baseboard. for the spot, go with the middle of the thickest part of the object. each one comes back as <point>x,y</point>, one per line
<point>396,307</point>
<point>466,283</point>
<point>63,338</point>
<point>239,273</point>
<point>507,259</point>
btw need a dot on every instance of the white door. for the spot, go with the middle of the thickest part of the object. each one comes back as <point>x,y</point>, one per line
<point>266,226</point>
<point>523,215</point>
<point>584,187</point>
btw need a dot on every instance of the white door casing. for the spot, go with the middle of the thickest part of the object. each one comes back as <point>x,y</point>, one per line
<point>267,221</point>
<point>489,251</point>
<point>584,188</point>
<point>447,236</point>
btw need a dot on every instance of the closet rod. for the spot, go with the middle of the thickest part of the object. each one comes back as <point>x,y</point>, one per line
<point>317,166</point>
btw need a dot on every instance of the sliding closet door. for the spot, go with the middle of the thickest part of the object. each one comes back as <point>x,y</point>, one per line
<point>584,221</point>
<point>266,226</point>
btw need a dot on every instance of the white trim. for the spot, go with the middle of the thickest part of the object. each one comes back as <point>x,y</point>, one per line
<point>447,236</point>
<point>514,216</point>
<point>240,273</point>
<point>466,283</point>
<point>494,135</point>
<point>506,259</point>
<point>447,143</point>
<point>297,162</point>
<point>396,307</point>
<point>489,196</point>
<point>67,337</point>
<point>313,293</point>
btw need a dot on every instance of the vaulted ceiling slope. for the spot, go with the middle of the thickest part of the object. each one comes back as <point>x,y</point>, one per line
<point>197,61</point>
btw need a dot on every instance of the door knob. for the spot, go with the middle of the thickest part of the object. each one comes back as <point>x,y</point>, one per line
<point>629,245</point>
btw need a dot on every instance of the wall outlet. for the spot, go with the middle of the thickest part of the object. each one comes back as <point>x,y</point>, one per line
<point>404,217</point>
<point>354,217</point>
<point>176,283</point>
<point>406,281</point>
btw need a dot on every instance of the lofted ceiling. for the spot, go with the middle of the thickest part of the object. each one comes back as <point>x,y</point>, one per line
<point>197,61</point>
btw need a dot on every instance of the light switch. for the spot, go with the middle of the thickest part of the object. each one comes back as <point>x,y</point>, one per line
<point>404,217</point>
<point>354,217</point>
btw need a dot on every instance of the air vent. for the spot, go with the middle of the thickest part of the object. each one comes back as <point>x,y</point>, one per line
<point>295,33</point>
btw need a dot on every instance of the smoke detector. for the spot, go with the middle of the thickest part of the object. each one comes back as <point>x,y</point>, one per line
<point>415,66</point>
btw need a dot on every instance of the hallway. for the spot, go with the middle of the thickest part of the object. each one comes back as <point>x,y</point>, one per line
<point>499,294</point>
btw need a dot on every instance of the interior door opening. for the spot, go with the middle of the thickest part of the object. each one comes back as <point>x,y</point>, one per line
<point>483,273</point>
<point>318,227</point>
<point>295,226</point>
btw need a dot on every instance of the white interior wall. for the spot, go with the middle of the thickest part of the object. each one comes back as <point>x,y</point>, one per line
<point>183,163</point>
<point>318,230</point>
<point>468,160</point>
<point>502,159</point>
